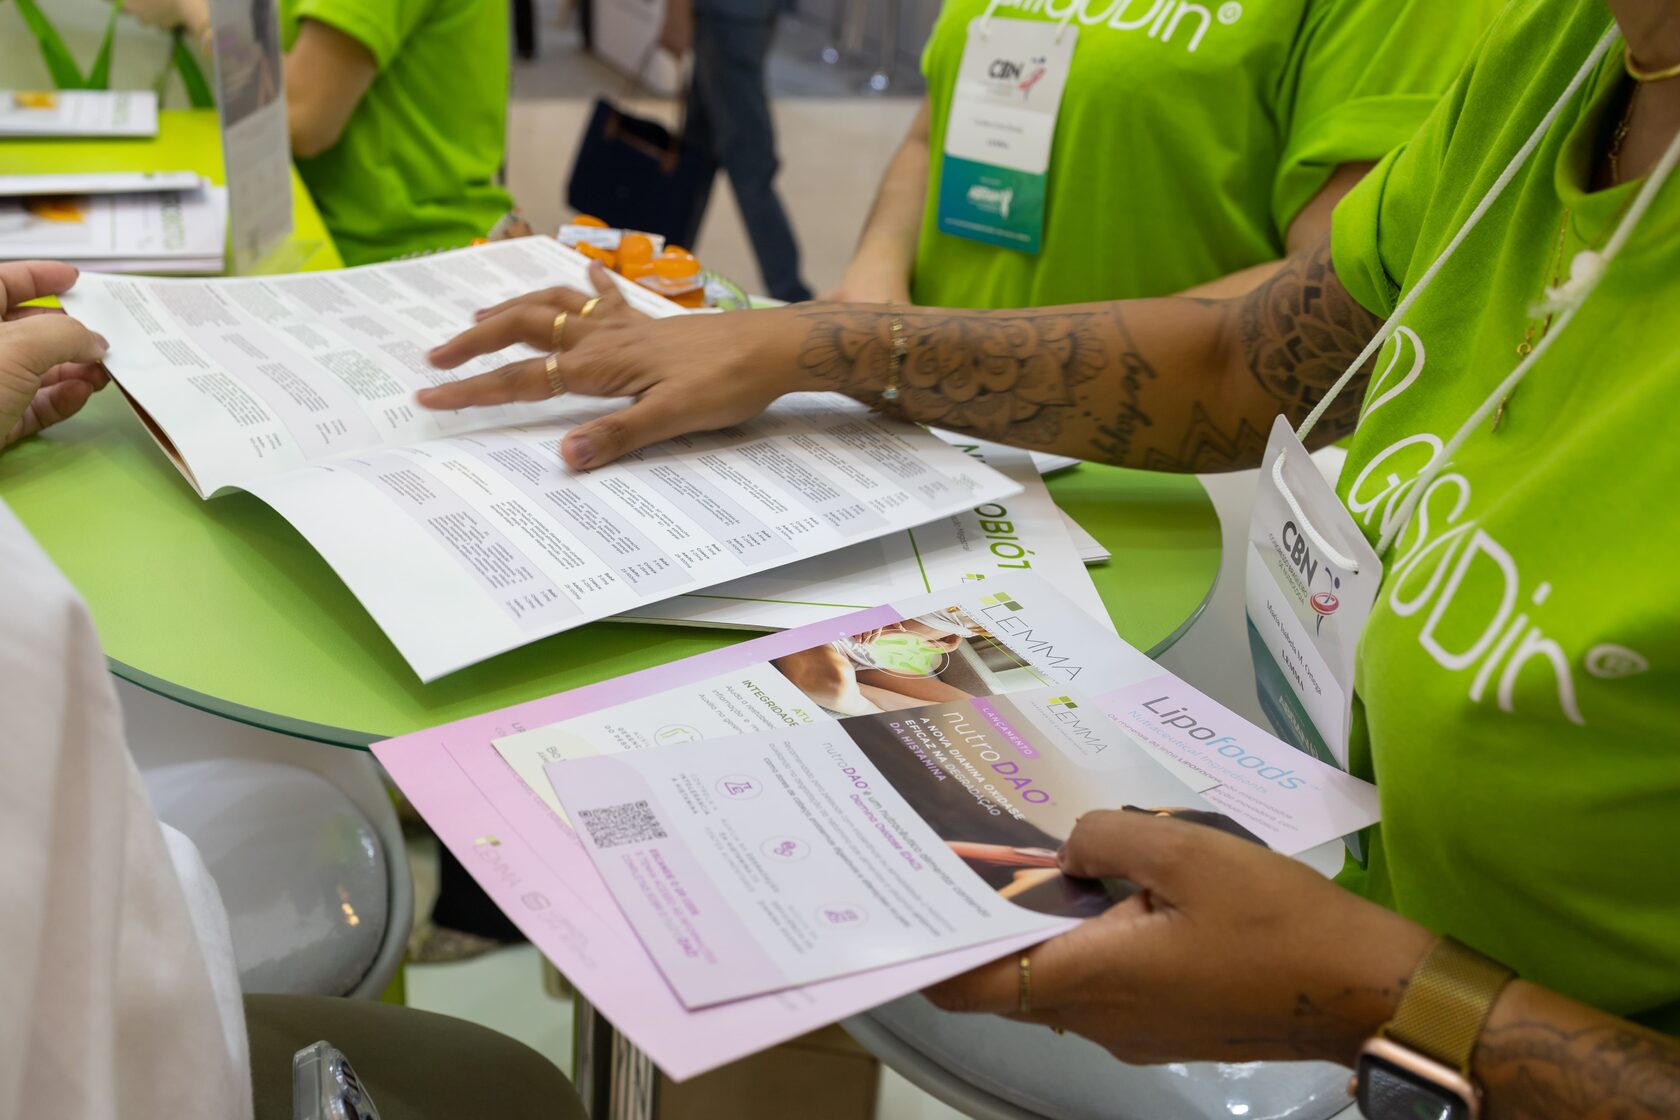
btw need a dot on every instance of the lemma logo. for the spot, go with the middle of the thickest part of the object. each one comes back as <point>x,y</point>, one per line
<point>1065,703</point>
<point>1006,619</point>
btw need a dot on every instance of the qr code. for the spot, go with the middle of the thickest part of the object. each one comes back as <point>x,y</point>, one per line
<point>616,825</point>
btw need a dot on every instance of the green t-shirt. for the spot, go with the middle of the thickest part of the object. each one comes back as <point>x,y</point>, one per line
<point>416,167</point>
<point>1518,685</point>
<point>1190,135</point>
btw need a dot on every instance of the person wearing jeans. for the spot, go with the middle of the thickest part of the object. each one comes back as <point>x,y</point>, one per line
<point>729,117</point>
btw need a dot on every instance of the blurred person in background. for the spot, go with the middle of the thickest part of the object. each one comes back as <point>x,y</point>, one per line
<point>397,112</point>
<point>728,116</point>
<point>1192,143</point>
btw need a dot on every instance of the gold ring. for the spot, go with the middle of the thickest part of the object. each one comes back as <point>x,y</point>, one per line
<point>588,306</point>
<point>551,368</point>
<point>554,335</point>
<point>1023,989</point>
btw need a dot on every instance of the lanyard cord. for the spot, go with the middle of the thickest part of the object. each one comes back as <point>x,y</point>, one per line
<point>1585,274</point>
<point>1517,163</point>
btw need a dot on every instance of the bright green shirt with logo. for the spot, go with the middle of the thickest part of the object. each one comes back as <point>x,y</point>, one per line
<point>416,167</point>
<point>1190,135</point>
<point>1518,686</point>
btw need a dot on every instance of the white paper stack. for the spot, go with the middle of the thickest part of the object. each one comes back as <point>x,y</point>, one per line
<point>116,223</point>
<point>78,113</point>
<point>1091,551</point>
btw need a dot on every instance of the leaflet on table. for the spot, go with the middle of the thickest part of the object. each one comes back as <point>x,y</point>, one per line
<point>996,540</point>
<point>246,377</point>
<point>527,859</point>
<point>99,182</point>
<point>464,547</point>
<point>500,817</point>
<point>762,862</point>
<point>78,112</point>
<point>180,231</point>
<point>464,535</point>
<point>1043,460</point>
<point>1091,550</point>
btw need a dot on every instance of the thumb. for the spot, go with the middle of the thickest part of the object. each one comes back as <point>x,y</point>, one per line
<point>599,442</point>
<point>38,343</point>
<point>1155,852</point>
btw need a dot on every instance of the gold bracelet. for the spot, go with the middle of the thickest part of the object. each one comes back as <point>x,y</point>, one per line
<point>1640,75</point>
<point>895,359</point>
<point>1024,987</point>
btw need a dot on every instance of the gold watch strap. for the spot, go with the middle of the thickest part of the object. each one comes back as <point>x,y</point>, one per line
<point>1446,1003</point>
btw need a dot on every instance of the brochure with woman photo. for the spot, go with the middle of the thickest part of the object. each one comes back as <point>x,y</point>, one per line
<point>482,786</point>
<point>899,791</point>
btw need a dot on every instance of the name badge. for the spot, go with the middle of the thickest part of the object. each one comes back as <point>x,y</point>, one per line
<point>998,136</point>
<point>1312,579</point>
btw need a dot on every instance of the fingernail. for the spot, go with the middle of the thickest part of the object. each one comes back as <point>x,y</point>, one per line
<point>103,341</point>
<point>425,395</point>
<point>583,452</point>
<point>481,314</point>
<point>1061,855</point>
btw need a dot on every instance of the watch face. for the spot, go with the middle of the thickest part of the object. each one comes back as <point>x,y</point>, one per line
<point>1388,1092</point>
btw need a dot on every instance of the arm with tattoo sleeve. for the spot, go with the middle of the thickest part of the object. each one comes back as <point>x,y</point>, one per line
<point>1164,384</point>
<point>1544,1057</point>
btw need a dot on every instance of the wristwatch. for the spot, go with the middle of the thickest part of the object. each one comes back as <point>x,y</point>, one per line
<point>1417,1067</point>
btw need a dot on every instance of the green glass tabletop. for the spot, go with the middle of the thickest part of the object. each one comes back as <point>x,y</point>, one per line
<point>222,605</point>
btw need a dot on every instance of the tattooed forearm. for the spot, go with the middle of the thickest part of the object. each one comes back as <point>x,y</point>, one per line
<point>1300,330</point>
<point>1009,378</point>
<point>1167,384</point>
<point>1552,1069</point>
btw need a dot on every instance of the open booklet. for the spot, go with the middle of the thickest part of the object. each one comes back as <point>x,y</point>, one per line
<point>482,783</point>
<point>464,534</point>
<point>995,540</point>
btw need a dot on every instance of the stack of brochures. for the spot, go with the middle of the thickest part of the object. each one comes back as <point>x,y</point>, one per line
<point>158,222</point>
<point>73,113</point>
<point>728,851</point>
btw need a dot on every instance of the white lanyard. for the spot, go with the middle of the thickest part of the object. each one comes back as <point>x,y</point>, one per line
<point>1585,273</point>
<point>1312,576</point>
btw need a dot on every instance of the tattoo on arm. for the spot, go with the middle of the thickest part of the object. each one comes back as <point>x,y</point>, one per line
<point>1541,1070</point>
<point>1300,330</point>
<point>1172,384</point>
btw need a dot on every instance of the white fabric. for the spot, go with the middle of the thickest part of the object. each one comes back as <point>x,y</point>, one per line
<point>107,1008</point>
<point>215,941</point>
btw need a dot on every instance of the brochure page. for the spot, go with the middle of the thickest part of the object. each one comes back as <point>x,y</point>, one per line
<point>464,547</point>
<point>99,182</point>
<point>756,863</point>
<point>481,785</point>
<point>995,540</point>
<point>86,113</point>
<point>249,377</point>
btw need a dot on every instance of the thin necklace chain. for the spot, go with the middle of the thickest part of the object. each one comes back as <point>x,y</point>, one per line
<point>1533,331</point>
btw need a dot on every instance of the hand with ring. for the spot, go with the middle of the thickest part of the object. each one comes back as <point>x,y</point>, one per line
<point>549,319</point>
<point>688,372</point>
<point>1227,952</point>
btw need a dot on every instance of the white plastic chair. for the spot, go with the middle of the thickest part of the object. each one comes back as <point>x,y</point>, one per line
<point>300,837</point>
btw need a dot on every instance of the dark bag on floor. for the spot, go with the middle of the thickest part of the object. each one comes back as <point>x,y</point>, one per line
<point>633,174</point>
